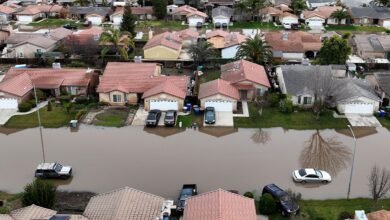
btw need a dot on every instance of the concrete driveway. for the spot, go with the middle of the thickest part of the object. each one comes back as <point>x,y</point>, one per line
<point>6,114</point>
<point>223,119</point>
<point>357,120</point>
<point>141,115</point>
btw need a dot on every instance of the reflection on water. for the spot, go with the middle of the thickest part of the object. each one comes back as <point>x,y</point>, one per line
<point>327,154</point>
<point>359,132</point>
<point>164,131</point>
<point>8,131</point>
<point>217,131</point>
<point>260,136</point>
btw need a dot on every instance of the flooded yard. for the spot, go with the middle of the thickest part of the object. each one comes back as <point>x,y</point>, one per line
<point>159,161</point>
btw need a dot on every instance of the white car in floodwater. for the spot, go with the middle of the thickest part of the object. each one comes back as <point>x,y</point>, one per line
<point>310,175</point>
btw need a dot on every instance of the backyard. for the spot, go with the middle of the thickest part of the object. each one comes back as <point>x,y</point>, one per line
<point>273,117</point>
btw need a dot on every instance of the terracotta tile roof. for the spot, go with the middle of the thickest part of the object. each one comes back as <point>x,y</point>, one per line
<point>126,203</point>
<point>216,33</point>
<point>234,38</point>
<point>271,11</point>
<point>323,12</point>
<point>32,212</point>
<point>16,38</point>
<point>243,70</point>
<point>288,14</point>
<point>197,13</point>
<point>19,85</point>
<point>175,86</point>
<point>218,86</point>
<point>379,215</point>
<point>297,41</point>
<point>6,10</point>
<point>91,31</point>
<point>137,78</point>
<point>60,33</point>
<point>35,9</point>
<point>39,41</point>
<point>142,10</point>
<point>165,39</point>
<point>30,10</point>
<point>187,34</point>
<point>219,205</point>
<point>184,10</point>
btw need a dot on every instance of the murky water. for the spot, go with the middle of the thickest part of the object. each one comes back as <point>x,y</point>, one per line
<point>160,161</point>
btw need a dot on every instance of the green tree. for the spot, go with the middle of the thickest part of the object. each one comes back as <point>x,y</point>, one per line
<point>128,22</point>
<point>160,8</point>
<point>335,50</point>
<point>39,192</point>
<point>240,8</point>
<point>254,6</point>
<point>81,2</point>
<point>120,41</point>
<point>340,14</point>
<point>267,204</point>
<point>255,50</point>
<point>298,6</point>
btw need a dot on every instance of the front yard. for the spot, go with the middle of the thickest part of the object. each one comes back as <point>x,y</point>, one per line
<point>272,117</point>
<point>54,22</point>
<point>385,122</point>
<point>355,28</point>
<point>254,25</point>
<point>115,117</point>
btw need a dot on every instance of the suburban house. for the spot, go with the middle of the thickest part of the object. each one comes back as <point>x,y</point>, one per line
<point>171,9</point>
<point>288,18</point>
<point>96,15</point>
<point>382,86</point>
<point>5,32</point>
<point>293,46</point>
<point>18,82</point>
<point>372,46</point>
<point>221,15</point>
<point>219,204</point>
<point>321,16</point>
<point>132,83</point>
<point>216,3</point>
<point>270,14</point>
<point>372,15</point>
<point>303,83</point>
<point>143,13</point>
<point>6,13</point>
<point>33,12</point>
<point>189,14</point>
<point>227,42</point>
<point>318,3</point>
<point>217,38</point>
<point>219,94</point>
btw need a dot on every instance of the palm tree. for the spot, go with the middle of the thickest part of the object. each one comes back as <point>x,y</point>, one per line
<point>339,15</point>
<point>121,41</point>
<point>255,50</point>
<point>298,6</point>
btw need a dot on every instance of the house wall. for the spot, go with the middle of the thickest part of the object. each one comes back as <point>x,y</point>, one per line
<point>163,97</point>
<point>280,78</point>
<point>3,36</point>
<point>229,52</point>
<point>289,20</point>
<point>362,21</point>
<point>341,105</point>
<point>193,20</point>
<point>293,56</point>
<point>295,100</point>
<point>130,98</point>
<point>161,52</point>
<point>221,20</point>
<point>218,97</point>
<point>29,50</point>
<point>251,93</point>
<point>95,19</point>
<point>311,20</point>
<point>116,19</point>
<point>217,41</point>
<point>25,19</point>
<point>334,21</point>
<point>75,90</point>
<point>385,23</point>
<point>20,99</point>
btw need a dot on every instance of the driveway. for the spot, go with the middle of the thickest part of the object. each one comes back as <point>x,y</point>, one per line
<point>223,119</point>
<point>141,115</point>
<point>6,114</point>
<point>363,120</point>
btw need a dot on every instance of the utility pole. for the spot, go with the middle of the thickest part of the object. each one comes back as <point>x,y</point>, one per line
<point>353,161</point>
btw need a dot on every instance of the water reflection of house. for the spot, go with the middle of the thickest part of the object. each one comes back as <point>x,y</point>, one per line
<point>8,131</point>
<point>218,131</point>
<point>163,131</point>
<point>360,132</point>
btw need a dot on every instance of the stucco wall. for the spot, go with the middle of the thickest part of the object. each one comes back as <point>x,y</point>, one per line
<point>25,19</point>
<point>293,56</point>
<point>162,97</point>
<point>130,98</point>
<point>251,93</point>
<point>229,52</point>
<point>218,97</point>
<point>20,99</point>
<point>29,50</point>
<point>161,52</point>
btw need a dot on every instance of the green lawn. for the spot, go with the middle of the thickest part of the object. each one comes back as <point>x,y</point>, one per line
<point>52,22</point>
<point>209,74</point>
<point>385,122</point>
<point>353,28</point>
<point>253,25</point>
<point>112,118</point>
<point>174,25</point>
<point>272,117</point>
<point>56,118</point>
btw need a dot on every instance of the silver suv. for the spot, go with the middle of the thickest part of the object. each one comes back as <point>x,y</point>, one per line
<point>53,170</point>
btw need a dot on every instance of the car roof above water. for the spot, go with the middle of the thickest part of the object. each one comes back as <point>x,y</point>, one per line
<point>46,166</point>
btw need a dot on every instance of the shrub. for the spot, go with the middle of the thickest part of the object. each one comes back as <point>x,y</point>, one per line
<point>273,99</point>
<point>40,94</point>
<point>267,204</point>
<point>80,114</point>
<point>92,105</point>
<point>4,210</point>
<point>33,103</point>
<point>77,64</point>
<point>24,106</point>
<point>39,192</point>
<point>65,98</point>
<point>346,215</point>
<point>104,104</point>
<point>49,107</point>
<point>81,100</point>
<point>249,195</point>
<point>346,35</point>
<point>286,106</point>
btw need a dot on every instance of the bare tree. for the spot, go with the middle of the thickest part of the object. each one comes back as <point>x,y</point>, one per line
<point>326,154</point>
<point>260,136</point>
<point>322,83</point>
<point>379,182</point>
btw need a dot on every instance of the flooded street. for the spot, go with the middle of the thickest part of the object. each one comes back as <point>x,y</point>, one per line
<point>104,159</point>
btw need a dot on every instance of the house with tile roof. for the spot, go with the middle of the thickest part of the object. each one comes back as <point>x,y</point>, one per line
<point>231,44</point>
<point>132,83</point>
<point>142,13</point>
<point>372,15</point>
<point>6,13</point>
<point>221,15</point>
<point>189,14</point>
<point>18,82</point>
<point>293,46</point>
<point>219,204</point>
<point>217,38</point>
<point>219,94</point>
<point>317,18</point>
<point>96,15</point>
<point>33,12</point>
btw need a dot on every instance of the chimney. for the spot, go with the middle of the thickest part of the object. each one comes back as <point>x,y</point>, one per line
<point>56,65</point>
<point>285,35</point>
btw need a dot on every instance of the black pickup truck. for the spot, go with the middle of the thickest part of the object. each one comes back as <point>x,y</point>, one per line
<point>187,191</point>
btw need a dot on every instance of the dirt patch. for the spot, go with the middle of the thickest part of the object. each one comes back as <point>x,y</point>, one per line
<point>72,202</point>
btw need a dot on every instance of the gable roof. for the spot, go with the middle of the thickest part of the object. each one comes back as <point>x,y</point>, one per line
<point>6,10</point>
<point>60,33</point>
<point>288,14</point>
<point>295,41</point>
<point>323,12</point>
<point>187,34</point>
<point>19,85</point>
<point>165,39</point>
<point>372,42</point>
<point>370,12</point>
<point>39,41</point>
<point>197,13</point>
<point>142,10</point>
<point>383,81</point>
<point>344,89</point>
<point>217,32</point>
<point>126,203</point>
<point>271,11</point>
<point>234,38</point>
<point>32,212</point>
<point>175,86</point>
<point>35,9</point>
<point>222,11</point>
<point>184,10</point>
<point>243,70</point>
<point>16,38</point>
<point>219,204</point>
<point>218,86</point>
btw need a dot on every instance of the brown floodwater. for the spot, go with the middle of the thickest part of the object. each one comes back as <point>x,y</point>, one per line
<point>159,161</point>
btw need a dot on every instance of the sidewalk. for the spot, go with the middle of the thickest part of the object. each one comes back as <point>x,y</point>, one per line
<point>6,115</point>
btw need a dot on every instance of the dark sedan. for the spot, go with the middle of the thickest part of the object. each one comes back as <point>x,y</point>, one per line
<point>209,115</point>
<point>153,118</point>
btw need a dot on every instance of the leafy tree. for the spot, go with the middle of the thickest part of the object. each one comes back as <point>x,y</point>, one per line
<point>120,41</point>
<point>160,8</point>
<point>249,195</point>
<point>81,2</point>
<point>340,14</point>
<point>298,6</point>
<point>267,204</point>
<point>39,192</point>
<point>128,22</point>
<point>335,50</point>
<point>240,8</point>
<point>255,50</point>
<point>201,52</point>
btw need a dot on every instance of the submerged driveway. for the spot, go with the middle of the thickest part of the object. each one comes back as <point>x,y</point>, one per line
<point>363,120</point>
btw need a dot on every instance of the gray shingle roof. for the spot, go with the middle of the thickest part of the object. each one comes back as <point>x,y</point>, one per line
<point>344,89</point>
<point>103,11</point>
<point>222,11</point>
<point>383,81</point>
<point>321,1</point>
<point>370,12</point>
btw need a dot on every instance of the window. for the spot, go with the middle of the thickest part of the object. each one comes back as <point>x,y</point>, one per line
<point>307,100</point>
<point>258,92</point>
<point>39,50</point>
<point>299,99</point>
<point>117,98</point>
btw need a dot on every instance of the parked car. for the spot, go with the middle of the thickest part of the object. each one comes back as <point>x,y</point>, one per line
<point>153,118</point>
<point>53,170</point>
<point>170,118</point>
<point>199,25</point>
<point>209,115</point>
<point>87,23</point>
<point>217,25</point>
<point>311,175</point>
<point>224,25</point>
<point>284,202</point>
<point>294,26</point>
<point>70,26</point>
<point>186,192</point>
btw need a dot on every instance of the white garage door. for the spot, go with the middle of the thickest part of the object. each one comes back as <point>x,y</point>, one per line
<point>193,21</point>
<point>164,105</point>
<point>221,20</point>
<point>8,104</point>
<point>359,108</point>
<point>386,24</point>
<point>220,105</point>
<point>315,23</point>
<point>95,20</point>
